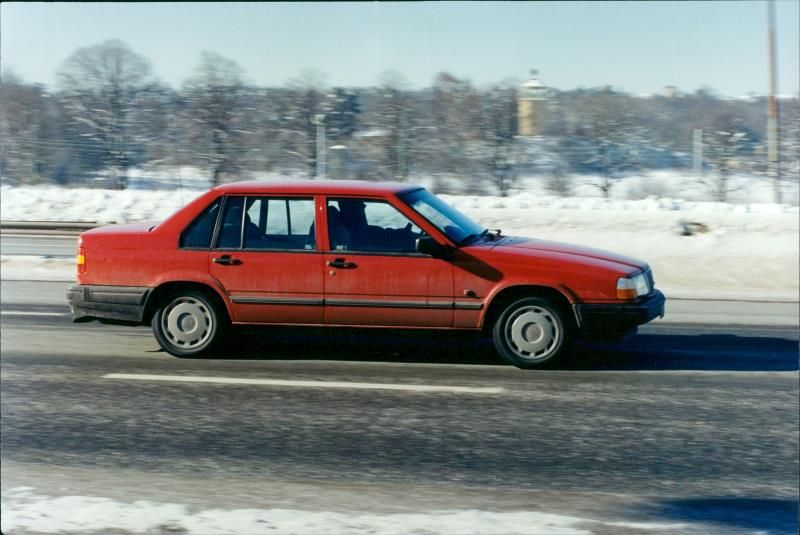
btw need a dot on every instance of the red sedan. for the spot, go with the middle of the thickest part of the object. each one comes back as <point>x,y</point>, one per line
<point>345,253</point>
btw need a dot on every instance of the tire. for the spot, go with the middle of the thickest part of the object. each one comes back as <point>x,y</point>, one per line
<point>532,333</point>
<point>188,324</point>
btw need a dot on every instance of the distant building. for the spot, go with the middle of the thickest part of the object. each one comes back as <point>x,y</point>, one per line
<point>531,107</point>
<point>338,162</point>
<point>669,91</point>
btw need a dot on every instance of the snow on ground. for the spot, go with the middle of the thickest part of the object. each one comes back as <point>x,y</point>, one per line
<point>749,250</point>
<point>37,268</point>
<point>24,510</point>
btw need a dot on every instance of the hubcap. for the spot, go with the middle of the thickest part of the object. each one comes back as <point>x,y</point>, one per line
<point>533,332</point>
<point>187,322</point>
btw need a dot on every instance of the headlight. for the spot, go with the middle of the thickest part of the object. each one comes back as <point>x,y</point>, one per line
<point>633,287</point>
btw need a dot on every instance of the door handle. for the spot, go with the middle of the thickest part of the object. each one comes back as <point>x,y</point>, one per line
<point>226,260</point>
<point>341,263</point>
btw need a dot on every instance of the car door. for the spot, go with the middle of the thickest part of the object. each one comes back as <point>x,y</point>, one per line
<point>266,257</point>
<point>373,274</point>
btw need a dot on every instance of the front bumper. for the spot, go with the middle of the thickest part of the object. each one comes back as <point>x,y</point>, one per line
<point>123,304</point>
<point>619,319</point>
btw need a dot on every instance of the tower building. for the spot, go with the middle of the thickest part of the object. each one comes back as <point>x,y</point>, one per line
<point>531,107</point>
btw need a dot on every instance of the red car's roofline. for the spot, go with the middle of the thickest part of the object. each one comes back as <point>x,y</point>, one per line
<point>319,187</point>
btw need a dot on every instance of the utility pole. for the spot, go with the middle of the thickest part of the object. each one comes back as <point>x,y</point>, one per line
<point>697,144</point>
<point>773,158</point>
<point>402,164</point>
<point>319,120</point>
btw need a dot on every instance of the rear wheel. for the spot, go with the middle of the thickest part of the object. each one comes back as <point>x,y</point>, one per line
<point>531,333</point>
<point>188,324</point>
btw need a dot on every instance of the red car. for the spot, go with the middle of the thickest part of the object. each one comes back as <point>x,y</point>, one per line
<point>344,253</point>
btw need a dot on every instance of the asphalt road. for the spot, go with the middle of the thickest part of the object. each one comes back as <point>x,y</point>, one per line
<point>690,423</point>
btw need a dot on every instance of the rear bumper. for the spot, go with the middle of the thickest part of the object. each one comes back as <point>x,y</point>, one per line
<point>619,319</point>
<point>123,304</point>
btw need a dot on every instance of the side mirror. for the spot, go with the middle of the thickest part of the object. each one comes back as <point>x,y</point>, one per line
<point>429,246</point>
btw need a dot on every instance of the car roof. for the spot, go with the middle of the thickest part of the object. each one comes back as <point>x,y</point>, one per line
<point>320,187</point>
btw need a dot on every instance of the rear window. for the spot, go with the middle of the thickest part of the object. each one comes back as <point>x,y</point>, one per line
<point>198,234</point>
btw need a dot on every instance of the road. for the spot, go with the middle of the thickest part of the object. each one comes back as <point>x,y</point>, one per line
<point>687,428</point>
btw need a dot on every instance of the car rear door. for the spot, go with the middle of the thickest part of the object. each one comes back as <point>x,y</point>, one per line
<point>373,274</point>
<point>266,257</point>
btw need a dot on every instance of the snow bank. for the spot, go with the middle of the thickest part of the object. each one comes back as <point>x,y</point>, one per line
<point>24,510</point>
<point>744,250</point>
<point>52,203</point>
<point>37,268</point>
<point>747,252</point>
<point>671,183</point>
<point>154,194</point>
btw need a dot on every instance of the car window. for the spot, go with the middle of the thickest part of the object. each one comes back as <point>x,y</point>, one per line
<point>230,233</point>
<point>198,234</point>
<point>368,225</point>
<point>267,224</point>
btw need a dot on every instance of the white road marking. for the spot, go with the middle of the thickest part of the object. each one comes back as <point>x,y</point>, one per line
<point>308,384</point>
<point>27,313</point>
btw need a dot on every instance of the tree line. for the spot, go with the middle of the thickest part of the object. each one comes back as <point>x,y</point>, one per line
<point>108,114</point>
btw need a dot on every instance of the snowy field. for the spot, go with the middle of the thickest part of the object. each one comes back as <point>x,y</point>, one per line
<point>24,510</point>
<point>747,250</point>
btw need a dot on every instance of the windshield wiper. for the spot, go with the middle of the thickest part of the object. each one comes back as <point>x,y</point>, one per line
<point>473,237</point>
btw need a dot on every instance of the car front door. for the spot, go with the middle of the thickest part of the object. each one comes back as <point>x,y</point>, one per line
<point>267,258</point>
<point>373,274</point>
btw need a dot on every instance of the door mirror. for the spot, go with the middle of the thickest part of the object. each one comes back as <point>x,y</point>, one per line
<point>429,246</point>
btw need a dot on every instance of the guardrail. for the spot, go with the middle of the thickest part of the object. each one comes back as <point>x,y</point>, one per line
<point>47,227</point>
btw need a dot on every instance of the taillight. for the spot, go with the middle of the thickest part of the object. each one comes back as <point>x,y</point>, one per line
<point>80,259</point>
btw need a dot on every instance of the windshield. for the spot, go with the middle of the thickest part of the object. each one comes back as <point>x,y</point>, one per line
<point>444,217</point>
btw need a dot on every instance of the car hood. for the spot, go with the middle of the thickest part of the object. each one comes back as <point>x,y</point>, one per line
<point>531,245</point>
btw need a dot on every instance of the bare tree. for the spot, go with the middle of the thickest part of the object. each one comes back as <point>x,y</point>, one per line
<point>342,110</point>
<point>726,147</point>
<point>789,141</point>
<point>102,84</point>
<point>611,137</point>
<point>498,129</point>
<point>306,100</point>
<point>21,107</point>
<point>214,98</point>
<point>393,118</point>
<point>456,143</point>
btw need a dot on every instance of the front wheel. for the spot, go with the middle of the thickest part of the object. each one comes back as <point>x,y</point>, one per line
<point>531,333</point>
<point>188,324</point>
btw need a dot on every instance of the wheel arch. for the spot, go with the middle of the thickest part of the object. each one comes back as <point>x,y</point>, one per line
<point>505,296</point>
<point>160,292</point>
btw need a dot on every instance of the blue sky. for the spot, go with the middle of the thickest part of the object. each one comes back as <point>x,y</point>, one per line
<point>635,46</point>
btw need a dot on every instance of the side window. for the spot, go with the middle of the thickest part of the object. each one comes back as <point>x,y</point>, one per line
<point>367,225</point>
<point>278,224</point>
<point>198,234</point>
<point>230,232</point>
